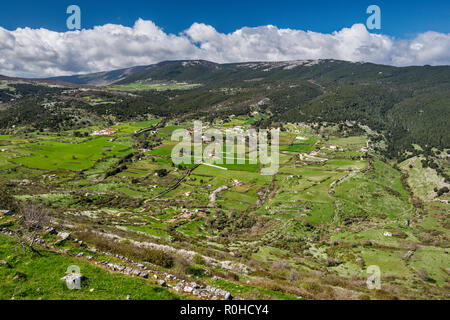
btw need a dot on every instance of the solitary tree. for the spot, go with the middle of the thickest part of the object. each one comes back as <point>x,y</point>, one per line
<point>33,218</point>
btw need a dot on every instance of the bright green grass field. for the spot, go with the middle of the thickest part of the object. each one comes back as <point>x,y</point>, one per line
<point>378,191</point>
<point>68,156</point>
<point>129,128</point>
<point>434,260</point>
<point>166,151</point>
<point>32,276</point>
<point>301,148</point>
<point>350,142</point>
<point>152,231</point>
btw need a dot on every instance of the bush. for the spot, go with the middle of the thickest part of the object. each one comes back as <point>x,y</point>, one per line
<point>442,191</point>
<point>7,201</point>
<point>195,271</point>
<point>312,287</point>
<point>162,172</point>
<point>158,257</point>
<point>280,265</point>
<point>198,259</point>
<point>232,276</point>
<point>127,249</point>
<point>423,274</point>
<point>181,266</point>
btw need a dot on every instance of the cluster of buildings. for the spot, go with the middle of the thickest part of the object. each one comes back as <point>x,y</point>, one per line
<point>188,214</point>
<point>103,132</point>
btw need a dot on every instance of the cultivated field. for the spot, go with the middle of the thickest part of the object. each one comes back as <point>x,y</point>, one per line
<point>334,208</point>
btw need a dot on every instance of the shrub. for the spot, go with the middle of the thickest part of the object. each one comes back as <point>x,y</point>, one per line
<point>162,172</point>
<point>195,271</point>
<point>181,266</point>
<point>280,265</point>
<point>198,259</point>
<point>312,287</point>
<point>423,274</point>
<point>7,201</point>
<point>232,276</point>
<point>294,276</point>
<point>128,249</point>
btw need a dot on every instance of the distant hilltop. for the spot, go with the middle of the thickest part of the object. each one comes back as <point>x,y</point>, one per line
<point>202,71</point>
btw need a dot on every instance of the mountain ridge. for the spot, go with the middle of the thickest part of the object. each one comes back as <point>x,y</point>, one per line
<point>196,69</point>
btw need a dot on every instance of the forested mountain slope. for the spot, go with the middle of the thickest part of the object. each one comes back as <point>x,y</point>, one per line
<point>407,105</point>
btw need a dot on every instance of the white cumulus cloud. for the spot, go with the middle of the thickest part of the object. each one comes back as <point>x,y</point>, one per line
<point>42,52</point>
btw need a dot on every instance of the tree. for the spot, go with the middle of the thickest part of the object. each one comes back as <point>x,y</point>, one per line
<point>442,191</point>
<point>162,172</point>
<point>33,219</point>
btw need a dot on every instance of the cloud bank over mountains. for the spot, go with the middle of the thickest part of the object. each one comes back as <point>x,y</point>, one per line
<point>42,52</point>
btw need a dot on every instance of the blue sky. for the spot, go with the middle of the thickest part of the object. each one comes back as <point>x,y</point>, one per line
<point>402,19</point>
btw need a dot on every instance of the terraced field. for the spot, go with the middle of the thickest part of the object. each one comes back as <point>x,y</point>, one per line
<point>334,208</point>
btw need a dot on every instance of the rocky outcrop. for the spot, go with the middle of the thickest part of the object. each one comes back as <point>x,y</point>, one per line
<point>203,291</point>
<point>213,196</point>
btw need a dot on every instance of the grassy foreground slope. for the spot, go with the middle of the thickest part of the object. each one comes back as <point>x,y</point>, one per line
<point>37,276</point>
